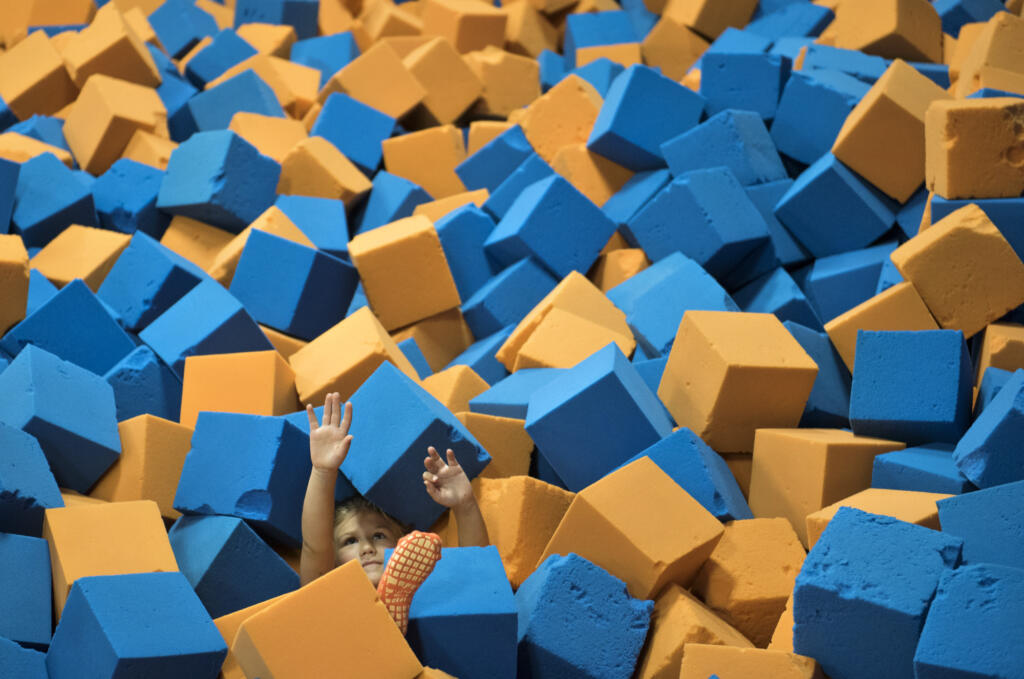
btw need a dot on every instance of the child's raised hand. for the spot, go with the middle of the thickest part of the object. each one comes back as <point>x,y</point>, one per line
<point>329,442</point>
<point>447,484</point>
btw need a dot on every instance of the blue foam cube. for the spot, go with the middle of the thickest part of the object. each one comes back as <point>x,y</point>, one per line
<point>179,25</point>
<point>992,381</point>
<point>600,73</point>
<point>988,453</point>
<point>506,298</point>
<point>937,73</point>
<point>777,293</point>
<point>578,621</point>
<point>415,355</point>
<point>391,199</point>
<point>495,160</point>
<point>480,357</point>
<point>17,661</point>
<point>552,69</point>
<point>108,629</point>
<point>27,487</point>
<point>595,416</point>
<point>634,194</point>
<point>911,213</point>
<point>764,197</point>
<point>219,178</point>
<point>751,82</point>
<point>990,523</point>
<point>643,19</point>
<point>642,110</point>
<point>356,129</point>
<point>736,41</point>
<point>862,66</point>
<point>224,51</point>
<point>25,596</point>
<point>125,198</point>
<point>837,283</point>
<point>8,185</point>
<point>47,199</point>
<point>956,13</point>
<point>143,384</point>
<point>44,128</point>
<point>463,232</point>
<point>595,28</point>
<point>510,397</point>
<point>929,469</point>
<point>326,53</point>
<point>531,170</point>
<point>68,409</point>
<point>175,92</point>
<point>299,14</point>
<point>214,108</point>
<point>40,291</point>
<point>813,107</point>
<point>828,405</point>
<point>323,220</point>
<point>794,19</point>
<point>868,581</point>
<point>888,277</point>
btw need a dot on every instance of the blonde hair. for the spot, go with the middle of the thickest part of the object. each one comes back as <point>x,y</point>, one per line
<point>358,503</point>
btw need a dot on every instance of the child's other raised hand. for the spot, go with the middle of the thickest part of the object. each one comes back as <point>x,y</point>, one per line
<point>329,442</point>
<point>447,484</point>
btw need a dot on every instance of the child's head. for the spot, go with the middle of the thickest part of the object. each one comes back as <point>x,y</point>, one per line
<point>362,531</point>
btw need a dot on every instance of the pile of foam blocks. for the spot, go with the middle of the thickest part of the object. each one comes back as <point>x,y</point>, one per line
<point>718,302</point>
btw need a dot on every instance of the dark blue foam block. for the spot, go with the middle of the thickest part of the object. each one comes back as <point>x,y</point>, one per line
<point>655,299</point>
<point>862,66</point>
<point>910,214</point>
<point>68,409</point>
<point>249,466</point>
<point>794,19</point>
<point>343,488</point>
<point>989,452</point>
<point>44,128</point>
<point>956,13</point>
<point>868,581</point>
<point>990,523</point>
<point>991,92</point>
<point>397,421</point>
<point>462,233</point>
<point>8,184</point>
<point>929,469</point>
<point>555,224</point>
<point>145,281</point>
<point>591,29</point>
<point>600,73</point>
<point>299,14</point>
<point>699,471</point>
<point>227,564</point>
<point>898,394</point>
<point>355,129</point>
<point>830,209</point>
<point>494,161</point>
<point>531,170</point>
<point>764,197</point>
<point>480,356</point>
<point>17,661</point>
<point>415,355</point>
<point>214,108</point>
<point>391,198</point>
<point>888,277</point>
<point>224,51</point>
<point>576,620</point>
<point>828,405</point>
<point>463,618</point>
<point>737,41</point>
<point>25,596</point>
<point>642,110</point>
<point>651,370</point>
<point>643,19</point>
<point>510,396</point>
<point>323,220</point>
<point>552,69</point>
<point>175,92</point>
<point>179,25</point>
<point>142,383</point>
<point>108,629</point>
<point>506,298</point>
<point>595,416</point>
<point>48,198</point>
<point>219,178</point>
<point>837,283</point>
<point>640,188</point>
<point>125,198</point>
<point>40,291</point>
<point>7,117</point>
<point>206,320</point>
<point>292,288</point>
<point>937,73</point>
<point>991,382</point>
<point>326,53</point>
<point>777,293</point>
<point>1006,213</point>
<point>97,343</point>
<point>706,215</point>
<point>749,82</point>
<point>812,109</point>
<point>974,625</point>
<point>735,139</point>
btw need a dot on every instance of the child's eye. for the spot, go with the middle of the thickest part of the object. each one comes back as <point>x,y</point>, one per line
<point>348,541</point>
<point>380,536</point>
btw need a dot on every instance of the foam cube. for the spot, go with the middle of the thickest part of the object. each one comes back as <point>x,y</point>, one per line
<point>602,29</point>
<point>462,233</point>
<point>428,157</point>
<point>914,507</point>
<point>509,397</point>
<point>228,626</point>
<point>391,198</point>
<point>790,20</point>
<point>41,83</point>
<point>507,297</point>
<point>465,25</point>
<point>837,283</point>
<point>14,268</point>
<point>488,167</point>
<point>214,108</point>
<point>451,84</point>
<point>299,14</point>
<point>269,38</point>
<point>562,116</point>
<point>224,51</point>
<point>26,485</point>
<point>315,167</point>
<point>272,220</point>
<point>906,29</point>
<point>323,220</point>
<point>473,630</point>
<point>81,252</point>
<point>125,198</point>
<point>388,474</point>
<point>562,339</point>
<point>511,81</point>
<point>109,45</point>
<point>729,662</point>
<point>505,440</point>
<point>47,198</point>
<point>984,454</point>
<point>987,524</point>
<point>927,468</point>
<point>22,662</point>
<point>17,147</point>
<point>1001,347</point>
<point>272,136</point>
<point>142,383</point>
<point>777,293</point>
<point>25,567</point>
<point>342,114</point>
<point>179,25</point>
<point>750,82</point>
<point>455,386</point>
<point>257,383</point>
<point>872,577</point>
<point>40,291</point>
<point>606,638</point>
<point>416,358</point>
<point>986,62</point>
<point>109,621</point>
<point>828,404</point>
<point>326,53</point>
<point>530,171</point>
<point>361,79</point>
<point>799,471</point>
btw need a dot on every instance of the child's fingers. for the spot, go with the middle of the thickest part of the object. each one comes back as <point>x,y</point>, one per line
<point>335,409</point>
<point>452,462</point>
<point>314,423</point>
<point>346,420</point>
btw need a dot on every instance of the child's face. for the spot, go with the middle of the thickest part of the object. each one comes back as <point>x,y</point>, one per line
<point>364,536</point>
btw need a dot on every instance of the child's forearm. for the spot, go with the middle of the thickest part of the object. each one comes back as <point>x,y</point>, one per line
<point>318,526</point>
<point>472,529</point>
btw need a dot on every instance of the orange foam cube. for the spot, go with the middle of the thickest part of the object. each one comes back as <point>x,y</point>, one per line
<point>403,44</point>
<point>194,240</point>
<point>341,358</point>
<point>609,524</point>
<point>562,339</point>
<point>14,274</point>
<point>564,115</point>
<point>33,78</point>
<point>673,47</point>
<point>274,137</point>
<point>440,337</point>
<point>617,266</point>
<point>799,471</point>
<point>73,498</point>
<point>625,54</point>
<point>222,268</point>
<point>61,12</point>
<point>339,611</point>
<point>992,59</point>
<point>1002,346</point>
<point>782,637</point>
<point>315,167</point>
<point>741,465</point>
<point>511,81</point>
<point>679,618</point>
<point>527,31</point>
<point>80,252</point>
<point>362,77</point>
<point>436,209</point>
<point>270,39</point>
<point>730,373</point>
<point>728,662</point>
<point>467,24</point>
<point>707,17</point>
<point>751,573</point>
<point>593,175</point>
<point>386,19</point>
<point>506,441</point>
<point>964,269</point>
<point>19,148</point>
<point>428,159</point>
<point>153,452</point>
<point>894,29</point>
<point>404,271</point>
<point>108,538</point>
<point>109,46</point>
<point>228,626</point>
<point>906,505</point>
<point>450,84</point>
<point>146,147</point>
<point>303,82</point>
<point>964,41</point>
<point>883,138</point>
<point>455,386</point>
<point>285,344</point>
<point>252,382</point>
<point>135,18</point>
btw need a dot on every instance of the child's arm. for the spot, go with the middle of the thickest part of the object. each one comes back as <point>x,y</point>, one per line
<point>328,446</point>
<point>449,486</point>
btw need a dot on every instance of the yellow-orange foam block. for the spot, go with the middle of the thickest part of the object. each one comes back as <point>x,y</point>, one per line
<point>14,274</point>
<point>782,637</point>
<point>505,440</point>
<point>616,242</point>
<point>362,77</point>
<point>73,498</point>
<point>673,47</point>
<point>617,266</point>
<point>708,17</point>
<point>403,44</point>
<point>897,308</point>
<point>60,12</point>
<point>110,538</point>
<point>315,167</point>
<point>740,464</point>
<point>969,32</point>
<point>728,662</point>
<point>440,337</point>
<point>194,240</point>
<point>153,452</point>
<point>564,115</point>
<point>33,78</point>
<point>963,268</point>
<point>106,115</point>
<point>274,137</point>
<point>593,175</point>
<point>883,138</point>
<point>80,252</point>
<point>252,382</point>
<point>228,626</point>
<point>454,386</point>
<point>574,294</point>
<point>1002,346</point>
<point>286,345</point>
<point>679,618</point>
<point>467,24</point>
<point>799,471</point>
<point>894,29</point>
<point>19,148</point>
<point>272,39</point>
<point>610,524</point>
<point>404,271</point>
<point>432,673</point>
<point>386,19</point>
<point>994,56</point>
<point>750,574</point>
<point>146,147</point>
<point>483,131</point>
<point>527,31</point>
<point>222,268</point>
<point>906,505</point>
<point>428,159</point>
<point>109,46</point>
<point>973,148</point>
<point>222,14</point>
<point>436,209</point>
<point>339,611</point>
<point>450,84</point>
<point>730,373</point>
<point>511,81</point>
<point>341,358</point>
<point>625,54</point>
<point>562,339</point>
<point>302,80</point>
